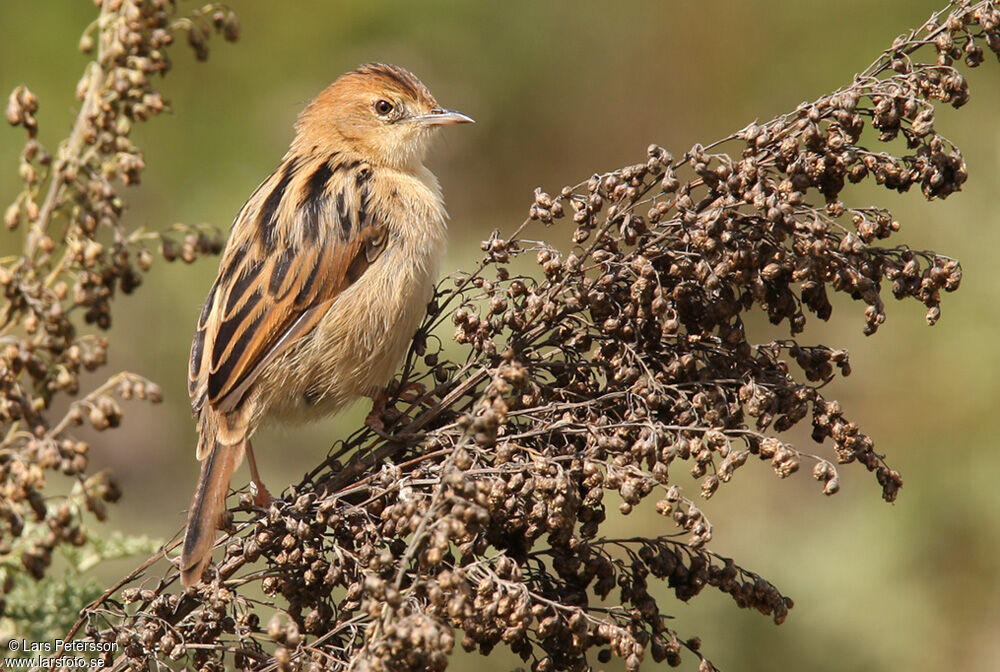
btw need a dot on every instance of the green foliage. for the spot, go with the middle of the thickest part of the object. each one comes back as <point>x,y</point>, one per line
<point>45,610</point>
<point>76,257</point>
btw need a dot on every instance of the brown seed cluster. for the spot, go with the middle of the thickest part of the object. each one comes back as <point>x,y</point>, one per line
<point>609,374</point>
<point>78,255</point>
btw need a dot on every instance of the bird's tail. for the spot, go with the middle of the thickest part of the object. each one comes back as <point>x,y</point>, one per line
<point>217,469</point>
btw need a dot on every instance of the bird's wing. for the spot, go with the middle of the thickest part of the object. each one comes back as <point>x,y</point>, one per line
<point>304,236</point>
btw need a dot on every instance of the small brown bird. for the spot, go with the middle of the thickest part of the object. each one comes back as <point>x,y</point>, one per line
<point>323,282</point>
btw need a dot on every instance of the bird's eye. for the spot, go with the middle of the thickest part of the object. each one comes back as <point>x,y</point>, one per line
<point>383,107</point>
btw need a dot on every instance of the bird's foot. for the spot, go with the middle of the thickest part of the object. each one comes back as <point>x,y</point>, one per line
<point>375,423</point>
<point>382,413</point>
<point>261,497</point>
<point>376,420</point>
<point>411,393</point>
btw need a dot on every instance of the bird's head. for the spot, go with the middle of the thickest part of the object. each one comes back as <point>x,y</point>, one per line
<point>380,112</point>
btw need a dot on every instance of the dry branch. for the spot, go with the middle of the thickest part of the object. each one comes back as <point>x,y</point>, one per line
<point>601,372</point>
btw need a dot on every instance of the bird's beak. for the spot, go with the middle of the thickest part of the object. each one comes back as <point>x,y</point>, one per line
<point>439,116</point>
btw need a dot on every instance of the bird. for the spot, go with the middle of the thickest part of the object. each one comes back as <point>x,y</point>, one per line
<point>322,283</point>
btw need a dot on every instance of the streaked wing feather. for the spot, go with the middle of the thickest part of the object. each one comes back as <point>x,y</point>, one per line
<point>305,235</point>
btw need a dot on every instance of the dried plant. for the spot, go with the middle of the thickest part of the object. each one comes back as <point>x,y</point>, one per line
<point>615,364</point>
<point>77,254</point>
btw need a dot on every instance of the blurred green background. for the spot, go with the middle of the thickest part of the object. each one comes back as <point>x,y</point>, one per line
<point>561,90</point>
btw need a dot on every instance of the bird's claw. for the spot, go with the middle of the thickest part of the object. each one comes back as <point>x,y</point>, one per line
<point>411,393</point>
<point>261,497</point>
<point>376,421</point>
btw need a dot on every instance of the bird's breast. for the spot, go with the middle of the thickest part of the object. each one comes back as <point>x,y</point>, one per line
<point>357,346</point>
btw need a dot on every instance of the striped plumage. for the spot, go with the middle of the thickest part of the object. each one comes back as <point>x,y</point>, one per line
<point>323,281</point>
<point>315,235</point>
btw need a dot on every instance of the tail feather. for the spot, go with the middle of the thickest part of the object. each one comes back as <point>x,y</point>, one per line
<point>206,506</point>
